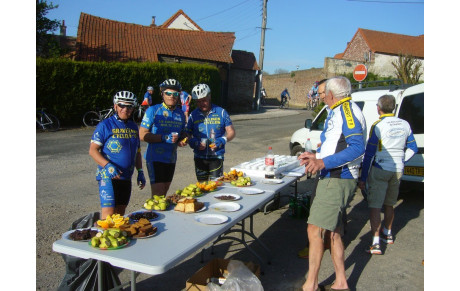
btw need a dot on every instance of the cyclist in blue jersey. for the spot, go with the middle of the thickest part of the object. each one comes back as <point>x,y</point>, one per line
<point>115,147</point>
<point>283,97</point>
<point>185,99</point>
<point>313,94</point>
<point>210,128</point>
<point>148,97</point>
<point>162,128</point>
<point>338,159</point>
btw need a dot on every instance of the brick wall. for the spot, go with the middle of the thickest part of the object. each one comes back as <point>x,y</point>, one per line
<point>297,85</point>
<point>356,49</point>
<point>241,86</point>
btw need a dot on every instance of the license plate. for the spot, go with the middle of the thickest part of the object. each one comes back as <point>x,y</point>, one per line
<point>413,171</point>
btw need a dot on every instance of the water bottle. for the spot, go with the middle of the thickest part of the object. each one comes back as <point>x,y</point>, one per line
<point>308,148</point>
<point>270,164</point>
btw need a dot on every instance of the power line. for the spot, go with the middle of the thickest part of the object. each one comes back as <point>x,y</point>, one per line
<point>222,11</point>
<point>387,2</point>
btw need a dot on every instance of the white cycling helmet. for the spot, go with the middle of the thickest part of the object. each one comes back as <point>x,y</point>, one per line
<point>149,88</point>
<point>170,84</point>
<point>200,91</point>
<point>126,97</point>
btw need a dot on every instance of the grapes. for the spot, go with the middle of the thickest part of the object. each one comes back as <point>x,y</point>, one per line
<point>150,215</point>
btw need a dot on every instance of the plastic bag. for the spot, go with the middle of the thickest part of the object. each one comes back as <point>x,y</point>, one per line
<point>239,278</point>
<point>81,274</point>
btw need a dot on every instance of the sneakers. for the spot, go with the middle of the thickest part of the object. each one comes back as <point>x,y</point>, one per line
<point>374,250</point>
<point>386,238</point>
<point>303,253</point>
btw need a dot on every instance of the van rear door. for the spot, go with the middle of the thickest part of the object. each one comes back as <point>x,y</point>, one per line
<point>411,109</point>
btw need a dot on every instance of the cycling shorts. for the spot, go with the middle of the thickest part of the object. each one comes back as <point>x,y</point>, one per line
<point>206,169</point>
<point>160,172</point>
<point>114,192</point>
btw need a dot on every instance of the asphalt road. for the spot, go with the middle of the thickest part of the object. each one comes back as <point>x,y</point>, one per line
<point>66,190</point>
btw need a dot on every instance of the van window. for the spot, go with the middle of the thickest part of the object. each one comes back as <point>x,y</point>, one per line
<point>318,123</point>
<point>412,110</point>
<point>360,104</point>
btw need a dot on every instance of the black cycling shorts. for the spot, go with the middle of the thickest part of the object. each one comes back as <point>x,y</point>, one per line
<point>160,172</point>
<point>206,169</point>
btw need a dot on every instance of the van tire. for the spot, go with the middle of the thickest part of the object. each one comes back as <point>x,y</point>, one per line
<point>297,150</point>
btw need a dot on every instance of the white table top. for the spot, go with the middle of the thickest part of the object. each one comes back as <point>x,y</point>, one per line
<point>178,235</point>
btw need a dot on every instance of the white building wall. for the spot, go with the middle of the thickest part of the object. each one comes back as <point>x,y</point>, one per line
<point>181,22</point>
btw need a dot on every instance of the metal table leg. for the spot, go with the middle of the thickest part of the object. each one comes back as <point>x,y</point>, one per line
<point>100,282</point>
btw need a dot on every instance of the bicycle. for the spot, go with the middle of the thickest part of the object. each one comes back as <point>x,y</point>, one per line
<point>138,114</point>
<point>47,121</point>
<point>285,104</point>
<point>92,118</point>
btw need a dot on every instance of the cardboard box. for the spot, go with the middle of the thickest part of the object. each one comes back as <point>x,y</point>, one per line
<point>216,268</point>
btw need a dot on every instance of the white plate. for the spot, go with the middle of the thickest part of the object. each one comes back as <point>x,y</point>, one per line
<point>211,218</point>
<point>201,210</point>
<point>293,174</point>
<point>272,181</point>
<point>235,196</point>
<point>225,206</point>
<point>66,235</point>
<point>251,191</point>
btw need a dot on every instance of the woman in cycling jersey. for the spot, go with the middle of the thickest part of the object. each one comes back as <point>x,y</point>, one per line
<point>115,147</point>
<point>162,128</point>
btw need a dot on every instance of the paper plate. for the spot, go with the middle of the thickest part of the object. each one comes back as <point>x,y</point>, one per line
<point>233,196</point>
<point>225,206</point>
<point>251,191</point>
<point>272,181</point>
<point>293,174</point>
<point>211,218</point>
<point>144,213</point>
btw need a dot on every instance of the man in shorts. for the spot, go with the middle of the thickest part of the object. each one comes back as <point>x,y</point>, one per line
<point>115,147</point>
<point>185,99</point>
<point>162,128</point>
<point>148,97</point>
<point>338,160</point>
<point>210,128</point>
<point>383,167</point>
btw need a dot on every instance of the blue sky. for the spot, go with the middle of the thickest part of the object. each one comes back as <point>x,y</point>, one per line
<point>299,32</point>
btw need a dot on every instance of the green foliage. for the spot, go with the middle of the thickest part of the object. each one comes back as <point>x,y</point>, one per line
<point>408,69</point>
<point>317,109</point>
<point>292,74</point>
<point>47,45</point>
<point>68,88</point>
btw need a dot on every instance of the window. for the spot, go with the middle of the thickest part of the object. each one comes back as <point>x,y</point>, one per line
<point>318,123</point>
<point>412,110</point>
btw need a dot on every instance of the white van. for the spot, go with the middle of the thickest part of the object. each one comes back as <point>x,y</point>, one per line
<point>409,106</point>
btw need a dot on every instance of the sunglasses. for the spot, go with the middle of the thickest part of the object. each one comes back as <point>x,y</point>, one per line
<point>128,106</point>
<point>175,94</point>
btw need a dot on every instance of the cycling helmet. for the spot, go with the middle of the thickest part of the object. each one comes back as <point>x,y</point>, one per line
<point>200,91</point>
<point>149,88</point>
<point>125,96</point>
<point>171,84</point>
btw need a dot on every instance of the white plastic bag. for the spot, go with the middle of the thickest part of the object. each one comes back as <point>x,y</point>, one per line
<point>239,278</point>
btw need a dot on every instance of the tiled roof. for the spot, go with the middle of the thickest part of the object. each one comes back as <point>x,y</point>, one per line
<point>392,43</point>
<point>244,60</point>
<point>101,39</point>
<point>168,22</point>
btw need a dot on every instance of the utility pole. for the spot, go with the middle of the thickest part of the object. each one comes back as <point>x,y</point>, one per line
<point>261,55</point>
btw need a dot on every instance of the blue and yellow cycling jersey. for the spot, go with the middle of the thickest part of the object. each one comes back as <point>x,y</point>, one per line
<point>159,119</point>
<point>119,143</point>
<point>201,126</point>
<point>342,140</point>
<point>390,145</point>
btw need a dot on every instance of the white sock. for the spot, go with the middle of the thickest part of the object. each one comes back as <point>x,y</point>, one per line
<point>376,240</point>
<point>386,231</point>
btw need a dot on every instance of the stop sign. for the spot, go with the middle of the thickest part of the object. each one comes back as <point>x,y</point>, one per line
<point>360,72</point>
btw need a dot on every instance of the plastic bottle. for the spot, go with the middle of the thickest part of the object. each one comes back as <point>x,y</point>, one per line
<point>308,148</point>
<point>270,164</point>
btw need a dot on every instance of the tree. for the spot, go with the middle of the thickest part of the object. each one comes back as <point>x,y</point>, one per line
<point>281,71</point>
<point>408,69</point>
<point>47,45</point>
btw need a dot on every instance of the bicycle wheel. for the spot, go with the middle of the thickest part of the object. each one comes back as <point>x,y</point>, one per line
<point>91,118</point>
<point>51,122</point>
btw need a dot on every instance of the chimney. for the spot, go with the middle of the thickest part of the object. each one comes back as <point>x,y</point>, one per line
<point>153,22</point>
<point>63,28</point>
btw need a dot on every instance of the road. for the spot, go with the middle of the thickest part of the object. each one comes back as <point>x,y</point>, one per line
<point>66,190</point>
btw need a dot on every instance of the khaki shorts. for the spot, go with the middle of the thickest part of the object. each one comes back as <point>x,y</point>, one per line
<point>331,199</point>
<point>382,187</point>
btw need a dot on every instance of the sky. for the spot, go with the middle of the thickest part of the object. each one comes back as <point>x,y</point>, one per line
<point>299,34</point>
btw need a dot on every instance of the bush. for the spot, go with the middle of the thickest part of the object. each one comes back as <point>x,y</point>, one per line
<point>68,88</point>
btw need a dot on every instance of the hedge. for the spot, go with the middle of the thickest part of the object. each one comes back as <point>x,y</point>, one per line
<point>68,88</point>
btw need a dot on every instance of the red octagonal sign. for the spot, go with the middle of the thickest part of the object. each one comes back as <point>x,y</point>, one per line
<point>360,72</point>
